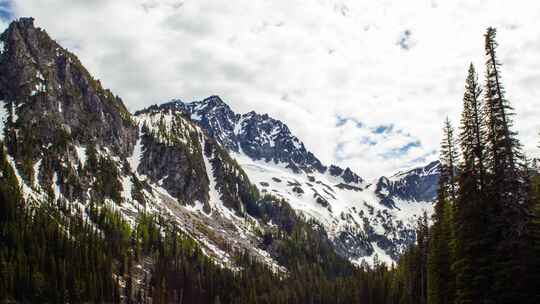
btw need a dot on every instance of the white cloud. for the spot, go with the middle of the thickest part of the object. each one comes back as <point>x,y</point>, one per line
<point>308,62</point>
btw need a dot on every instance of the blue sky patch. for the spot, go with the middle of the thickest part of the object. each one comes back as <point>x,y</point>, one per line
<point>383,129</point>
<point>6,11</point>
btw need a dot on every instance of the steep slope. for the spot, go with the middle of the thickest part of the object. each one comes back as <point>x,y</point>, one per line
<point>363,220</point>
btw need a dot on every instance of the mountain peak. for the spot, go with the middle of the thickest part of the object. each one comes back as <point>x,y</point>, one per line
<point>417,184</point>
<point>45,86</point>
<point>259,136</point>
<point>23,37</point>
<point>429,169</point>
<point>23,23</point>
<point>213,100</point>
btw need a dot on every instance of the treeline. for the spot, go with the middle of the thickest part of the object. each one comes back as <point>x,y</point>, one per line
<point>484,244</point>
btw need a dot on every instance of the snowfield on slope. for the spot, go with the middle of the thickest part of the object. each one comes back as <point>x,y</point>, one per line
<point>337,205</point>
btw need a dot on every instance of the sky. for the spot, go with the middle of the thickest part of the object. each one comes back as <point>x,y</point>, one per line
<point>364,84</point>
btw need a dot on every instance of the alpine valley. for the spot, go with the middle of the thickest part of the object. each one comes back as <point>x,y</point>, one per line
<point>227,186</point>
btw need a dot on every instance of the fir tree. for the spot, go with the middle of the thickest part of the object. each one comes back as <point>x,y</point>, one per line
<point>440,258</point>
<point>471,241</point>
<point>422,238</point>
<point>448,159</point>
<point>507,183</point>
<point>473,133</point>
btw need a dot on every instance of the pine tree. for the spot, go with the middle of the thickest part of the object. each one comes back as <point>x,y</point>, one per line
<point>422,239</point>
<point>440,258</point>
<point>448,158</point>
<point>507,183</point>
<point>503,146</point>
<point>473,131</point>
<point>471,242</point>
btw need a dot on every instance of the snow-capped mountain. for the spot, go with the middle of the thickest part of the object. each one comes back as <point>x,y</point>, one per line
<point>225,179</point>
<point>258,136</point>
<point>362,219</point>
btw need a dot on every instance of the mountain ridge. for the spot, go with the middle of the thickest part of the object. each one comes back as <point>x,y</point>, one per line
<point>199,112</point>
<point>246,131</point>
<point>318,191</point>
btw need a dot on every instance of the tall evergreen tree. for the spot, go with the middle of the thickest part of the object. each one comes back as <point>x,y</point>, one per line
<point>504,150</point>
<point>473,131</point>
<point>448,159</point>
<point>532,254</point>
<point>440,275</point>
<point>496,214</point>
<point>507,182</point>
<point>470,221</point>
<point>422,238</point>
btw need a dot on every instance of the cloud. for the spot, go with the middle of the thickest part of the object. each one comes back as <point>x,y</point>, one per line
<point>307,63</point>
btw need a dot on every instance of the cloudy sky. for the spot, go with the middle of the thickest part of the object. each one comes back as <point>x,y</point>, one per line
<point>365,84</point>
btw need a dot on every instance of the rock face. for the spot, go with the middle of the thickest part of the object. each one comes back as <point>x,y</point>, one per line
<point>419,184</point>
<point>175,163</point>
<point>182,159</point>
<point>47,89</point>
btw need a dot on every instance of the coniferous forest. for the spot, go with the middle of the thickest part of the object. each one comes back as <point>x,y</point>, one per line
<point>481,246</point>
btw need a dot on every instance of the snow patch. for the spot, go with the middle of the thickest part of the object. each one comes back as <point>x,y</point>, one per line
<point>81,154</point>
<point>127,185</point>
<point>39,76</point>
<point>14,115</point>
<point>198,206</point>
<point>135,159</point>
<point>195,116</point>
<point>27,191</point>
<point>3,118</point>
<point>36,173</point>
<point>56,186</point>
<point>377,255</point>
<point>214,196</point>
